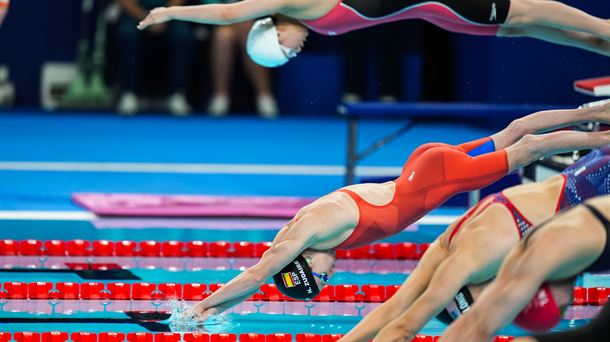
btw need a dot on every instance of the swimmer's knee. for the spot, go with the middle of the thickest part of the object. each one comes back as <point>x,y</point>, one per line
<point>530,144</point>
<point>518,128</point>
<point>512,32</point>
<point>599,44</point>
<point>529,139</point>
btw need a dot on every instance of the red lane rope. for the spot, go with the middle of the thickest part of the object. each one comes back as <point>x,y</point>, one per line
<point>194,249</point>
<point>58,336</point>
<point>346,293</point>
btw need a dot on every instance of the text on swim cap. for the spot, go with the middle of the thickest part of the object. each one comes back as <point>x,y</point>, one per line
<point>303,277</point>
<point>462,303</point>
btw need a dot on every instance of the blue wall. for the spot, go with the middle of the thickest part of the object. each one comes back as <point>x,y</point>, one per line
<point>36,31</point>
<point>488,69</point>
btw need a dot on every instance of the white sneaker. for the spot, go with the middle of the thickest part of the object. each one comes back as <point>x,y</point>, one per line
<point>267,107</point>
<point>219,106</point>
<point>128,104</point>
<point>178,105</point>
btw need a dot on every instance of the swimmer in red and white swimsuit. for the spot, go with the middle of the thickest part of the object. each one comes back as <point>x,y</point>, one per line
<point>4,4</point>
<point>358,215</point>
<point>569,244</point>
<point>461,262</point>
<point>273,45</point>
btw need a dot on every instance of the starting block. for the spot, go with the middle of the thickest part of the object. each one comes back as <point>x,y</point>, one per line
<point>598,86</point>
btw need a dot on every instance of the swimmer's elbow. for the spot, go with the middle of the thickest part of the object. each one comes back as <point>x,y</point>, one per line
<point>256,276</point>
<point>229,14</point>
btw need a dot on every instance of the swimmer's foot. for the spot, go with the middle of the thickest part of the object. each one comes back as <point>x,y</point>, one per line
<point>604,107</point>
<point>601,110</point>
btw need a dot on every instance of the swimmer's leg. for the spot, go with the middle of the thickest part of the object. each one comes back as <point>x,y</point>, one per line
<point>533,147</point>
<point>576,39</point>
<point>548,120</point>
<point>556,15</point>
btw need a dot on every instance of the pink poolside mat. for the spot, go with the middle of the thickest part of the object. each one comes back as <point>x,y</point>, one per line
<point>189,205</point>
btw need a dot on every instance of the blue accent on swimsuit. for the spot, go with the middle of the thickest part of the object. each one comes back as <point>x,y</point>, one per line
<point>484,148</point>
<point>587,178</point>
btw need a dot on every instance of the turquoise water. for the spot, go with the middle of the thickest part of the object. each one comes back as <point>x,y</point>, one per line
<point>231,323</point>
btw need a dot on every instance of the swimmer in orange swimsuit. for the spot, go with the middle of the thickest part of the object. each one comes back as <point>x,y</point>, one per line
<point>462,260</point>
<point>301,258</point>
<point>3,10</point>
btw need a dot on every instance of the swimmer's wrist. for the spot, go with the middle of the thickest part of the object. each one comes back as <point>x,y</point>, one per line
<point>171,12</point>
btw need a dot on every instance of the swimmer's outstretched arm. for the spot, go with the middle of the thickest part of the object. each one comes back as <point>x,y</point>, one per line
<point>299,234</point>
<point>410,290</point>
<point>216,14</point>
<point>560,249</point>
<point>481,249</point>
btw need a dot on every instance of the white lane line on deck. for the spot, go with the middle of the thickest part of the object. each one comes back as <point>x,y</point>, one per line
<point>47,215</point>
<point>181,168</point>
<point>88,216</point>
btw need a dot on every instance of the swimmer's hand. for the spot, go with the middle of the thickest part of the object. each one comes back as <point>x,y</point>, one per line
<point>207,314</point>
<point>202,313</point>
<point>158,15</point>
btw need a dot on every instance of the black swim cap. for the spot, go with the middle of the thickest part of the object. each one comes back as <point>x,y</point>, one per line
<point>460,303</point>
<point>296,280</point>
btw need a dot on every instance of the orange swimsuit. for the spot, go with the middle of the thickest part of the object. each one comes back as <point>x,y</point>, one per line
<point>431,175</point>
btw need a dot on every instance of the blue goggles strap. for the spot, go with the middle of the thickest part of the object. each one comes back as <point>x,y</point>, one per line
<point>323,276</point>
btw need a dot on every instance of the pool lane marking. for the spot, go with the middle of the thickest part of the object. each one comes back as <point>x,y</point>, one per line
<point>186,168</point>
<point>47,215</point>
<point>114,274</point>
<point>148,321</point>
<point>88,216</point>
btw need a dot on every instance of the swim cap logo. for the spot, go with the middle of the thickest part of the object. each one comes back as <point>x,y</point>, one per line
<point>411,176</point>
<point>461,302</point>
<point>494,14</point>
<point>542,299</point>
<point>290,279</point>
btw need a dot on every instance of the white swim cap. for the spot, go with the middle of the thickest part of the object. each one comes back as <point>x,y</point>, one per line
<point>264,45</point>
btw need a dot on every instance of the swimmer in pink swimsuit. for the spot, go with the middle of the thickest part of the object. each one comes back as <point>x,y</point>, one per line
<point>272,42</point>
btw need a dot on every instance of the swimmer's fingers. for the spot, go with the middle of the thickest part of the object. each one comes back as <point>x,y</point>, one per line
<point>207,314</point>
<point>158,15</point>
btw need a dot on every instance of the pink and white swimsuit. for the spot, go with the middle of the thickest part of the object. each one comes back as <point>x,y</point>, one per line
<point>476,17</point>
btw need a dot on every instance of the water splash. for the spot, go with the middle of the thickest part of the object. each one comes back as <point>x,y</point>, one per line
<point>184,319</point>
